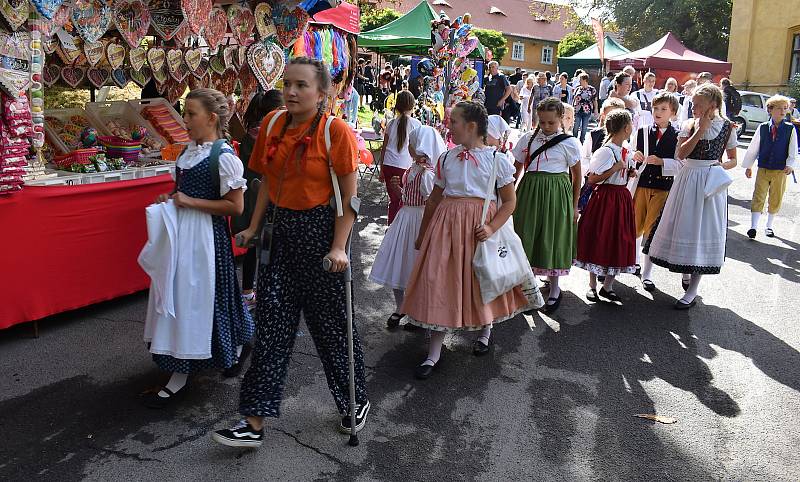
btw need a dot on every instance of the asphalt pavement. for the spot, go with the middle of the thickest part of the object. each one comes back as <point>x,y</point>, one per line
<point>555,400</point>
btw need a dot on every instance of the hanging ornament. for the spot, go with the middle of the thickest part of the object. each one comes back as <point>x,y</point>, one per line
<point>176,65</point>
<point>166,17</point>
<point>120,78</point>
<point>91,19</point>
<point>15,12</point>
<point>182,35</point>
<point>290,24</point>
<point>47,8</point>
<point>15,74</point>
<point>73,75</point>
<point>267,62</point>
<point>99,76</point>
<point>217,64</point>
<point>50,74</point>
<point>242,23</point>
<point>141,76</point>
<point>132,18</point>
<point>137,57</point>
<point>116,55</point>
<point>231,56</point>
<point>156,57</point>
<point>196,13</point>
<point>264,25</point>
<point>214,33</point>
<point>95,52</point>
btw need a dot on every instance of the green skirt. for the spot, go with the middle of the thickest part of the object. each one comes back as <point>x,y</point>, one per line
<point>544,220</point>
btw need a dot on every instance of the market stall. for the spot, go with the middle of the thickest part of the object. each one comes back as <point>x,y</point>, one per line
<point>589,59</point>
<point>75,181</point>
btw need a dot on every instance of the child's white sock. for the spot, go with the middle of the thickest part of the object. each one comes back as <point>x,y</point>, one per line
<point>694,284</point>
<point>647,267</point>
<point>176,382</point>
<point>434,347</point>
<point>754,217</point>
<point>770,218</point>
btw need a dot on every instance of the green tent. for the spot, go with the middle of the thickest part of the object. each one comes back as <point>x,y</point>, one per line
<point>407,35</point>
<point>589,58</point>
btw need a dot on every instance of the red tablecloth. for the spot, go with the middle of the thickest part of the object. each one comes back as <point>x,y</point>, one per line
<point>67,247</point>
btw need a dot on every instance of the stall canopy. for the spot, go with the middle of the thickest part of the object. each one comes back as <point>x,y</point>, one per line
<point>589,58</point>
<point>407,35</point>
<point>668,53</point>
<point>345,16</point>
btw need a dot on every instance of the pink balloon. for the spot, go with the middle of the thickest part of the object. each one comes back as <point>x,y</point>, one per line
<point>467,46</point>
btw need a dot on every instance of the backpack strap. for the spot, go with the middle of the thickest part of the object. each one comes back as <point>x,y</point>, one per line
<point>337,192</point>
<point>273,120</point>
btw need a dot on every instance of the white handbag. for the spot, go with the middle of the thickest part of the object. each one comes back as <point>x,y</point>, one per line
<point>500,263</point>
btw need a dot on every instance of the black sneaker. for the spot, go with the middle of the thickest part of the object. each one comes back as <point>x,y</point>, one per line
<point>361,418</point>
<point>241,435</point>
<point>236,369</point>
<point>751,233</point>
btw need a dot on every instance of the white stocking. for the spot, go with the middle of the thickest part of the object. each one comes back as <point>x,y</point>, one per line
<point>434,348</point>
<point>176,382</point>
<point>691,293</point>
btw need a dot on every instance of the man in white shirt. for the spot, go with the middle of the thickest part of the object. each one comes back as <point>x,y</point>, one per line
<point>605,85</point>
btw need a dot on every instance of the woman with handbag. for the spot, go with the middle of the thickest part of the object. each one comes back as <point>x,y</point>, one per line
<point>691,233</point>
<point>443,294</point>
<point>300,230</point>
<point>546,214</point>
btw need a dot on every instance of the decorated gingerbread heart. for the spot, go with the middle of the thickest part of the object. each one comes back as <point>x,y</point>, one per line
<point>99,76</point>
<point>202,69</point>
<point>95,52</point>
<point>49,45</point>
<point>132,18</point>
<point>91,18</point>
<point>176,65</point>
<point>241,56</point>
<point>214,33</point>
<point>141,77</point>
<point>15,12</point>
<point>230,56</point>
<point>120,78</point>
<point>116,55</point>
<point>267,62</point>
<point>193,57</point>
<point>73,75</point>
<point>161,74</point>
<point>183,34</point>
<point>264,25</point>
<point>174,91</point>
<point>50,74</point>
<point>242,23</point>
<point>70,56</point>
<point>166,17</point>
<point>62,16</point>
<point>156,57</point>
<point>47,8</point>
<point>290,23</point>
<point>137,57</point>
<point>196,13</point>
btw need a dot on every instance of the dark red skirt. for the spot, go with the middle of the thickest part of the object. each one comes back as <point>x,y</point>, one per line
<point>607,232</point>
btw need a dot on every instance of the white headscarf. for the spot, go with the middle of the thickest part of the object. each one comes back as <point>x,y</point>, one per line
<point>497,126</point>
<point>426,140</point>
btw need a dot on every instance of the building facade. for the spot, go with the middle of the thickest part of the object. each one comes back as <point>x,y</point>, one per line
<point>764,45</point>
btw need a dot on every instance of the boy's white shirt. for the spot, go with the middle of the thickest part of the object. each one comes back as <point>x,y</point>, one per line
<point>751,155</point>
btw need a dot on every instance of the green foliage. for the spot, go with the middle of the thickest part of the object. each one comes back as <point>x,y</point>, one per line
<point>492,40</point>
<point>58,97</point>
<point>702,25</point>
<point>374,18</point>
<point>794,87</point>
<point>574,42</point>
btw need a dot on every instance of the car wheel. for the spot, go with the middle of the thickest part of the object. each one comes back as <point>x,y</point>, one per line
<point>741,126</point>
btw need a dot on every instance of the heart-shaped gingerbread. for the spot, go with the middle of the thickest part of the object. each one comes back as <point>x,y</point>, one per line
<point>99,76</point>
<point>115,53</point>
<point>230,56</point>
<point>227,82</point>
<point>15,12</point>
<point>166,17</point>
<point>141,77</point>
<point>182,35</point>
<point>50,74</point>
<point>174,91</point>
<point>161,87</point>
<point>73,75</point>
<point>161,75</point>
<point>47,8</point>
<point>202,69</point>
<point>72,57</point>
<point>264,25</point>
<point>132,19</point>
<point>196,13</point>
<point>62,16</point>
<point>120,78</point>
<point>49,45</point>
<point>241,56</point>
<point>176,65</point>
<point>156,57</point>
<point>290,23</point>
<point>194,83</point>
<point>214,33</point>
<point>217,64</point>
<point>242,23</point>
<point>95,52</point>
<point>267,62</point>
<point>91,18</point>
<point>137,57</point>
<point>193,57</point>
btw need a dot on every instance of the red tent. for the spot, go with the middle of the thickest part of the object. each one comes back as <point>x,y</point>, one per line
<point>668,53</point>
<point>345,16</point>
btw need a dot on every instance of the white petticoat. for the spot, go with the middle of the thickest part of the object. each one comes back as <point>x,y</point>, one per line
<point>395,259</point>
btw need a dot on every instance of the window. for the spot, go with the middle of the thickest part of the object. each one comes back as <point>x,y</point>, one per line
<point>752,100</point>
<point>794,68</point>
<point>547,55</point>
<point>518,51</point>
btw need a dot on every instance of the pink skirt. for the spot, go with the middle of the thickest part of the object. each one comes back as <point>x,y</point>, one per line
<point>443,293</point>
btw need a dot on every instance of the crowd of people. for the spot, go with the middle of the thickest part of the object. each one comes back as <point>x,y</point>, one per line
<point>647,187</point>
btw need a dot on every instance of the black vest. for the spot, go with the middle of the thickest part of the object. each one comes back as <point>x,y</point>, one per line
<point>652,176</point>
<point>597,139</point>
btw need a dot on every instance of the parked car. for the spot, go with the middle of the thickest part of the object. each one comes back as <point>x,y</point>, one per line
<point>753,113</point>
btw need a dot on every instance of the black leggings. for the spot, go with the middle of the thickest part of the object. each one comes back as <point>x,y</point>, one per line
<point>249,266</point>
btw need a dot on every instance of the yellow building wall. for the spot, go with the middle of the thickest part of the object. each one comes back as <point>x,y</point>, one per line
<point>761,43</point>
<point>533,55</point>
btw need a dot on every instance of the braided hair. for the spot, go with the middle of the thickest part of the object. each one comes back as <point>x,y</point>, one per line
<point>616,121</point>
<point>214,102</point>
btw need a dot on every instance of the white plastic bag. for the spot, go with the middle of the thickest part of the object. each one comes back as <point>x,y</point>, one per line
<point>499,263</point>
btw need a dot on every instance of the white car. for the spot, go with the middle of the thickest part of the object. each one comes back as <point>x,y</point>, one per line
<point>753,113</point>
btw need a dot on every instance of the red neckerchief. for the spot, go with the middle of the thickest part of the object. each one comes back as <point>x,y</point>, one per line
<point>624,155</point>
<point>466,154</point>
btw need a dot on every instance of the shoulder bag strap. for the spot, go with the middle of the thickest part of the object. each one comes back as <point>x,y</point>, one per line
<point>489,189</point>
<point>337,193</point>
<point>547,145</point>
<point>272,121</point>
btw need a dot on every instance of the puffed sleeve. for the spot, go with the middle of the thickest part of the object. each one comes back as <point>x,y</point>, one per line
<point>505,170</point>
<point>573,149</point>
<point>602,160</point>
<point>686,129</point>
<point>519,151</point>
<point>426,183</point>
<point>733,140</point>
<point>586,155</point>
<point>231,173</point>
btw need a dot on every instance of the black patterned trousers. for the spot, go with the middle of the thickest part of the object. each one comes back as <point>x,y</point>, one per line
<point>294,282</point>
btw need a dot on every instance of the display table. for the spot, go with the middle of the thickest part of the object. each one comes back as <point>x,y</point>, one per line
<point>66,247</point>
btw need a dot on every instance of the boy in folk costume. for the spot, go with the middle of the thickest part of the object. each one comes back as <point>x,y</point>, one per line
<point>774,144</point>
<point>657,164</point>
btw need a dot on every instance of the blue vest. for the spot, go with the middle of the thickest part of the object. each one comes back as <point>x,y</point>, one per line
<point>773,154</point>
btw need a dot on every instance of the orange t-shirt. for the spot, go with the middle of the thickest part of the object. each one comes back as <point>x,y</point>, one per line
<point>308,185</point>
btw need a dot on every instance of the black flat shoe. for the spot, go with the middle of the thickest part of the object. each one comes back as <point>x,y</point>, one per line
<point>609,295</point>
<point>769,233</point>
<point>152,400</point>
<point>394,321</point>
<point>411,327</point>
<point>682,305</point>
<point>638,272</point>
<point>236,369</point>
<point>648,285</point>
<point>549,307</point>
<point>423,372</point>
<point>601,278</point>
<point>479,348</point>
<point>591,295</point>
<point>751,233</point>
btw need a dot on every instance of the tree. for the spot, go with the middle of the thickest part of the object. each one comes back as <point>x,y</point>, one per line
<point>702,25</point>
<point>574,42</point>
<point>374,18</point>
<point>492,40</point>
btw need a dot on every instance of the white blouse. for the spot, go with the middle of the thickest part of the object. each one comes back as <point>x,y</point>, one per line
<point>467,174</point>
<point>231,170</point>
<point>712,132</point>
<point>557,159</point>
<point>605,157</point>
<point>394,157</point>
